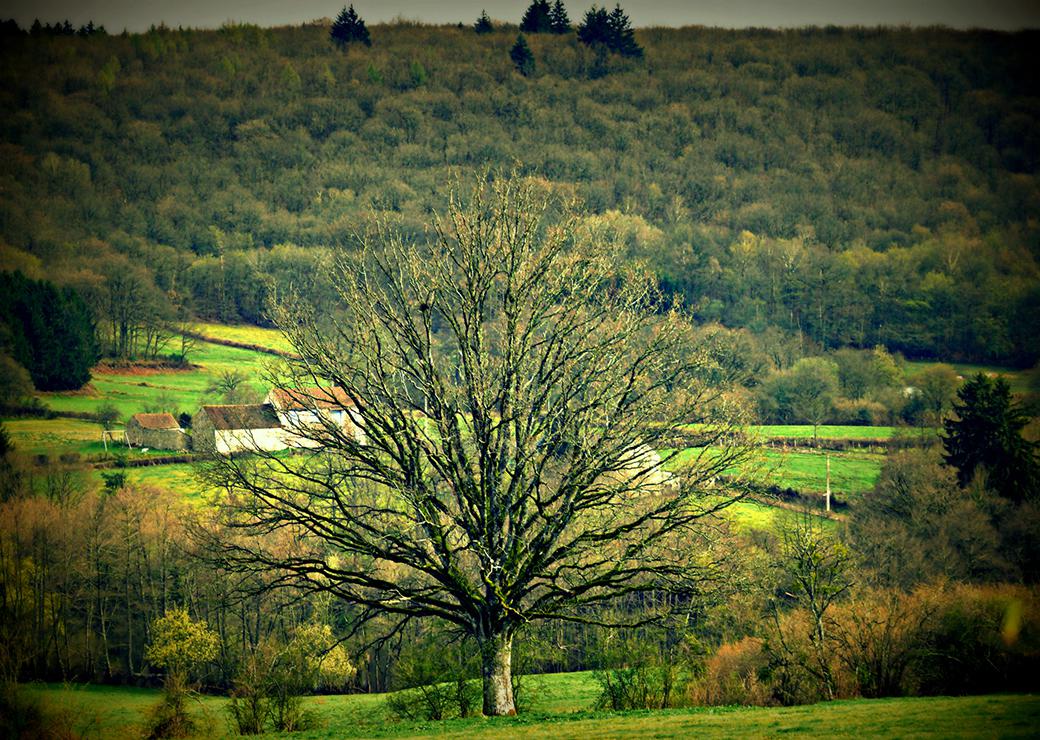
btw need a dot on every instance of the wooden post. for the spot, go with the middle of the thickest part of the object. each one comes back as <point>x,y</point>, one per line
<point>828,481</point>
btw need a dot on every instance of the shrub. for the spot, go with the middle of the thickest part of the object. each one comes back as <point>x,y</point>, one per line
<point>982,639</point>
<point>879,636</point>
<point>732,676</point>
<point>651,679</point>
<point>436,680</point>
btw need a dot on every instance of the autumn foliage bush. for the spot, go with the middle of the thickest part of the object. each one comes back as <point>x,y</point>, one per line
<point>936,640</point>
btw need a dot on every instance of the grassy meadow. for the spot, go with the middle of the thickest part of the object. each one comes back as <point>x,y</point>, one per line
<point>563,706</point>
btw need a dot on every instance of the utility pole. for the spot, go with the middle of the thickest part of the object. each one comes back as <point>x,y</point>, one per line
<point>828,481</point>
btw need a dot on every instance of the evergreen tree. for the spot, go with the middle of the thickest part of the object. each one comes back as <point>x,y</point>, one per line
<point>611,30</point>
<point>537,18</point>
<point>349,27</point>
<point>986,433</point>
<point>522,56</point>
<point>594,30</point>
<point>559,21</point>
<point>51,332</point>
<point>483,24</point>
<point>622,37</point>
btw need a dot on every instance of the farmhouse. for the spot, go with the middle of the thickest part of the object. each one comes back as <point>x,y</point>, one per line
<point>158,431</point>
<point>314,407</point>
<point>227,429</point>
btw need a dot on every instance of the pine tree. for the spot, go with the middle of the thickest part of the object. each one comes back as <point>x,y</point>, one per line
<point>986,433</point>
<point>50,332</point>
<point>622,37</point>
<point>483,24</point>
<point>522,56</point>
<point>611,30</point>
<point>537,18</point>
<point>349,27</point>
<point>559,21</point>
<point>594,30</point>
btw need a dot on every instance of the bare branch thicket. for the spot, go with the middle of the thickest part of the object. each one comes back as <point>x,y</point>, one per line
<point>511,382</point>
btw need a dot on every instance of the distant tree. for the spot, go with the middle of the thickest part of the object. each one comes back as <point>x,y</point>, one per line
<point>348,27</point>
<point>814,569</point>
<point>813,384</point>
<point>522,56</point>
<point>611,30</point>
<point>9,28</point>
<point>623,39</point>
<point>537,18</point>
<point>595,28</point>
<point>483,24</point>
<point>934,390</point>
<point>986,434</point>
<point>15,384</point>
<point>231,387</point>
<point>559,21</point>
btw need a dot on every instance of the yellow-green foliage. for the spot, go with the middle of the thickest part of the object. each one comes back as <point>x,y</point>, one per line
<point>181,644</point>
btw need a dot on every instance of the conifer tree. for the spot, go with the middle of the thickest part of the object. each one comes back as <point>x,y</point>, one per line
<point>483,24</point>
<point>610,30</point>
<point>522,56</point>
<point>537,18</point>
<point>349,27</point>
<point>622,37</point>
<point>986,433</point>
<point>559,21</point>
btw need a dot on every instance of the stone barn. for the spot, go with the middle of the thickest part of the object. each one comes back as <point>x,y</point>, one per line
<point>156,431</point>
<point>237,428</point>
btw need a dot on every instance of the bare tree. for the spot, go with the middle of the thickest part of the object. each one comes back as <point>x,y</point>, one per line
<point>511,384</point>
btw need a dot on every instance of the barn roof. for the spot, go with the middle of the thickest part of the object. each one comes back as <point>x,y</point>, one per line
<point>242,416</point>
<point>299,399</point>
<point>156,421</point>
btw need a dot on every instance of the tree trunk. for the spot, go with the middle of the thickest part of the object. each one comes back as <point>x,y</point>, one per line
<point>496,655</point>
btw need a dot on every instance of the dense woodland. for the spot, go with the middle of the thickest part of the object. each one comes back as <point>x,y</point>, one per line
<point>849,187</point>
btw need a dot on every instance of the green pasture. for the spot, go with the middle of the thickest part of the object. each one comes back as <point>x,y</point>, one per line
<point>271,338</point>
<point>562,706</point>
<point>170,390</point>
<point>852,471</point>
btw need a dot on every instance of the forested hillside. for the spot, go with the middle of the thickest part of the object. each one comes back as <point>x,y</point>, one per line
<point>850,187</point>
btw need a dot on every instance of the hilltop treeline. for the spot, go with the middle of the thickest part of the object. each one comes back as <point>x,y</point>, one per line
<point>847,187</point>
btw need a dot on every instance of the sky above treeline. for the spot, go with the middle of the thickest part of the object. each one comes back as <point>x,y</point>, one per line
<point>138,15</point>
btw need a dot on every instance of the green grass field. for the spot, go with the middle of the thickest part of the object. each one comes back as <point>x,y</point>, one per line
<point>561,706</point>
<point>852,471</point>
<point>271,338</point>
<point>174,390</point>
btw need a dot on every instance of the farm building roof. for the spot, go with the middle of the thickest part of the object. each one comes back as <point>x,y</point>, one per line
<point>242,416</point>
<point>156,421</point>
<point>298,399</point>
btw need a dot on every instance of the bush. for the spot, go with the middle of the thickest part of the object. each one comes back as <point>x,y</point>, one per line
<point>653,679</point>
<point>733,676</point>
<point>981,640</point>
<point>274,677</point>
<point>436,680</point>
